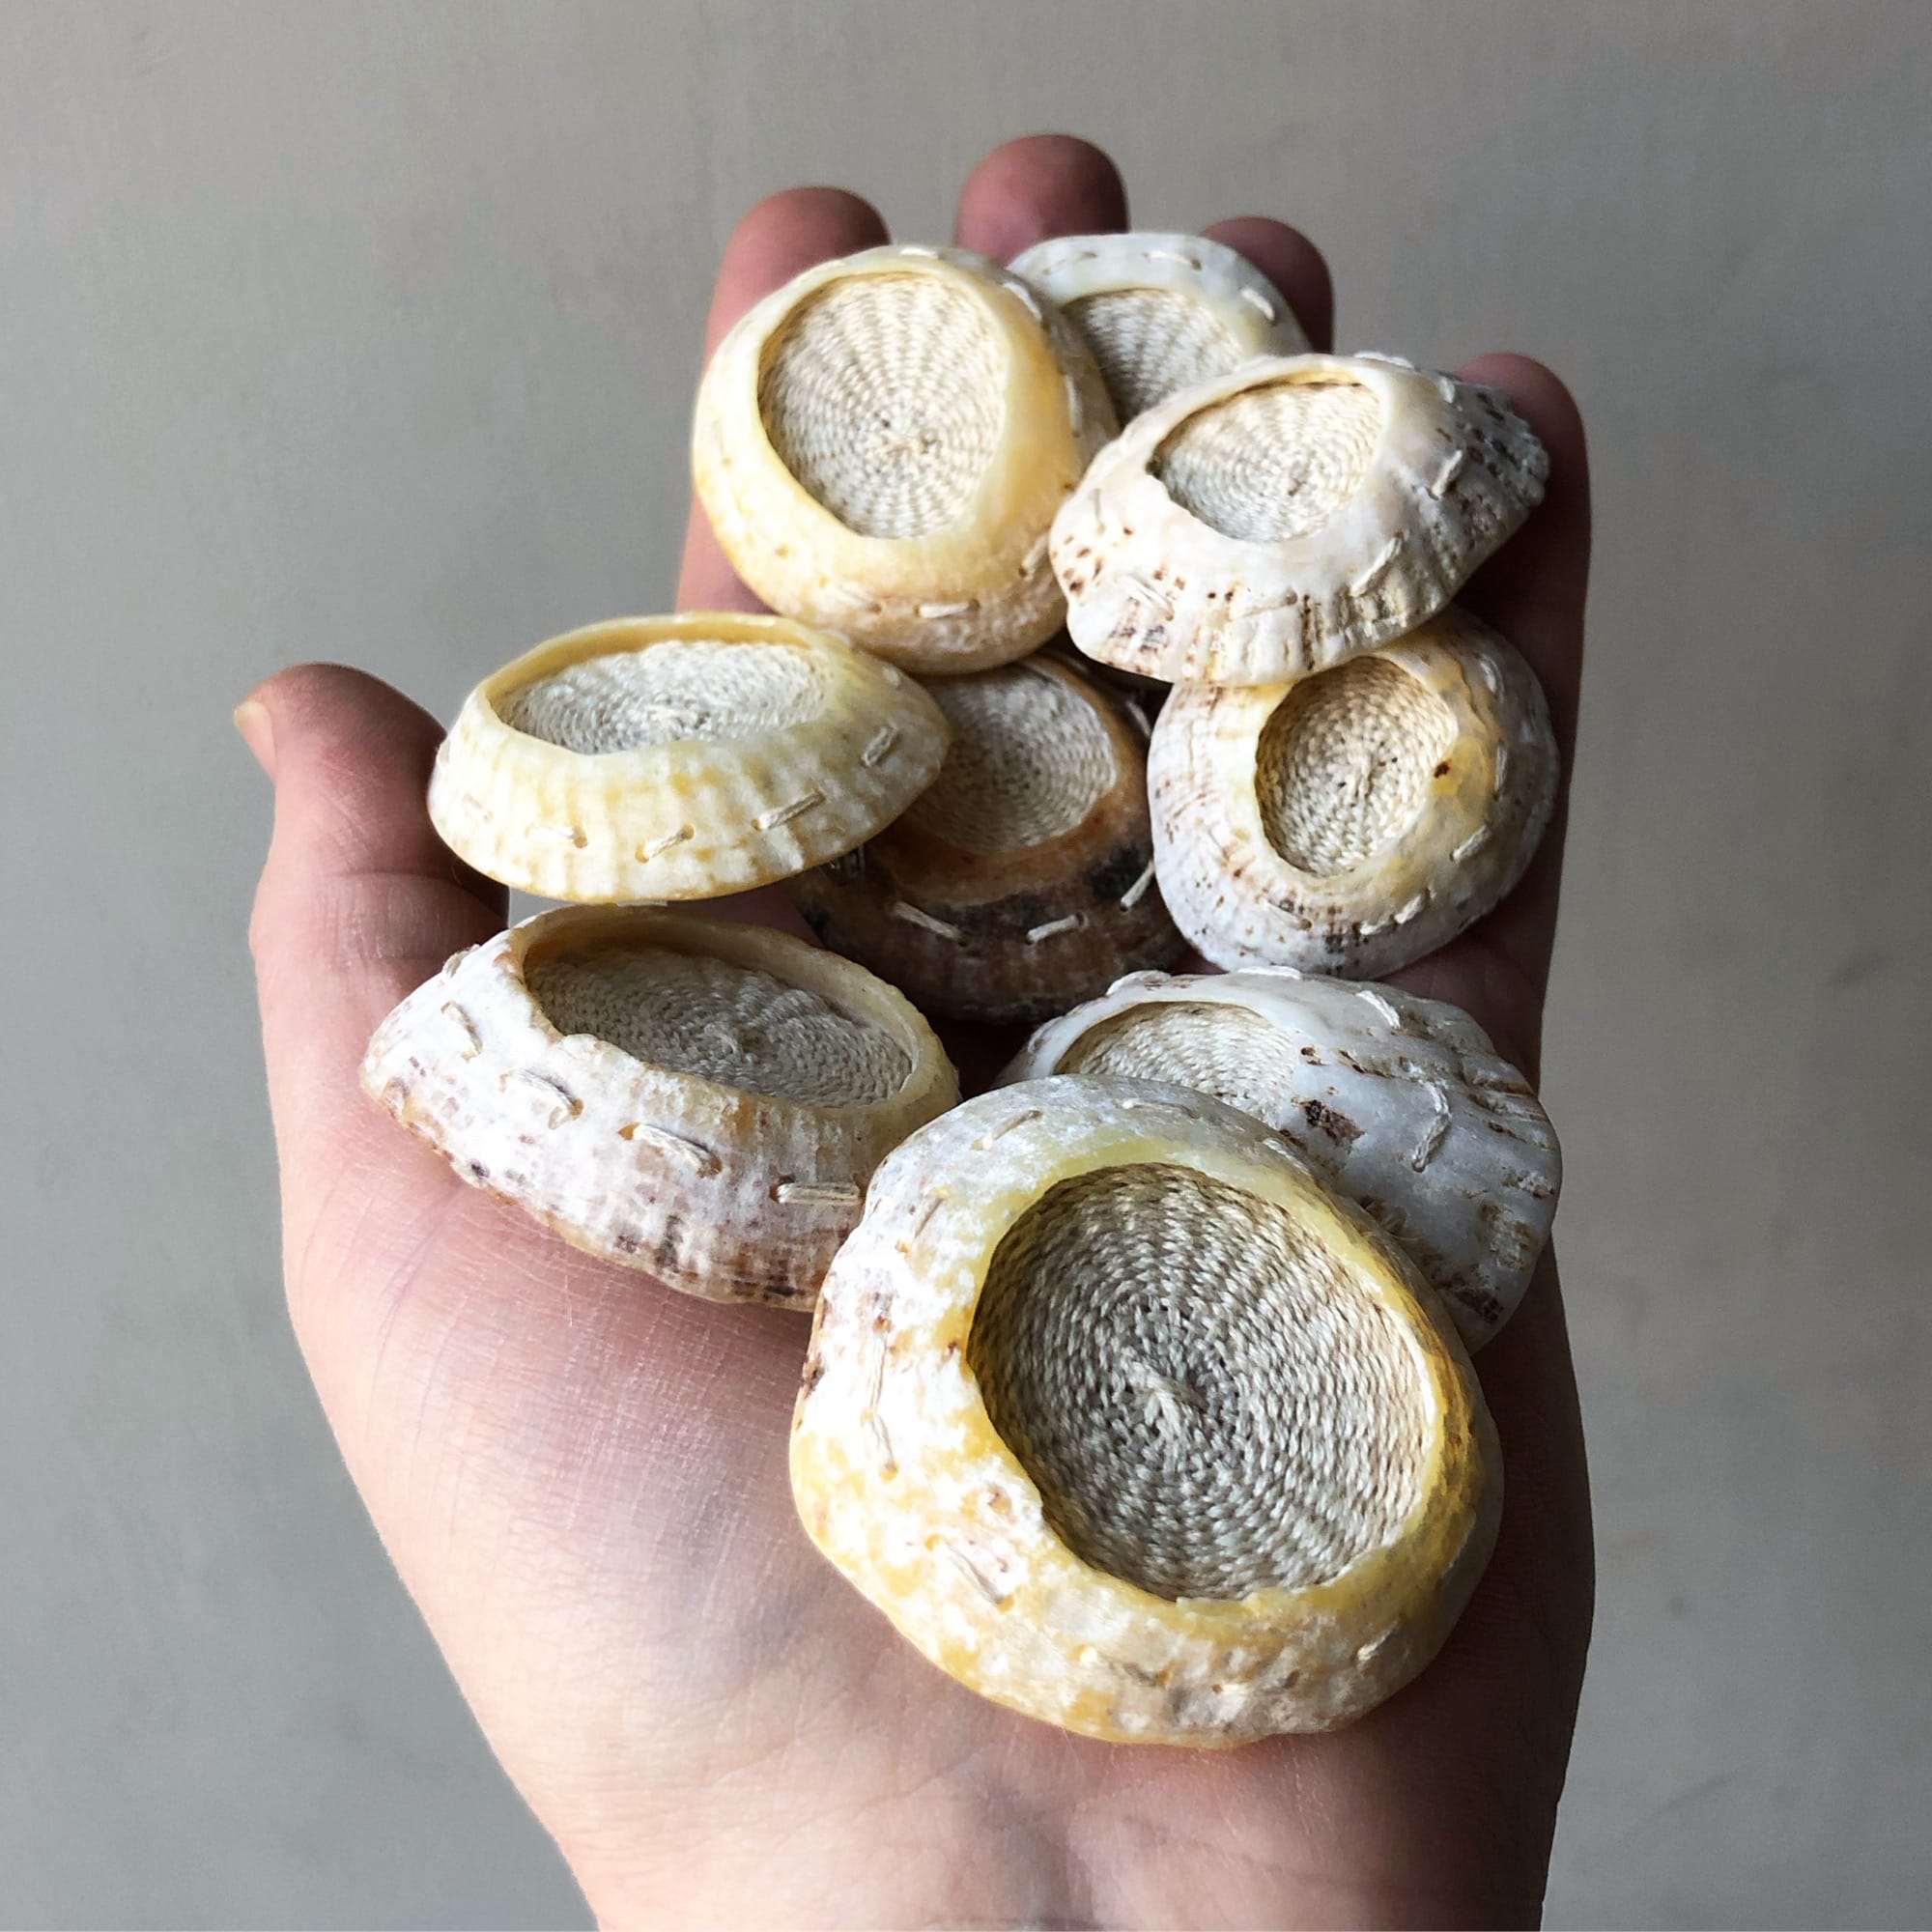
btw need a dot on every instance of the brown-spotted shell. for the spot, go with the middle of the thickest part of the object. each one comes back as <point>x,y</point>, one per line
<point>1400,1103</point>
<point>1352,821</point>
<point>1290,514</point>
<point>1129,1422</point>
<point>696,1099</point>
<point>1022,880</point>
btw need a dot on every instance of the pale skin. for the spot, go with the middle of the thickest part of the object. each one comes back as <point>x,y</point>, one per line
<point>581,1476</point>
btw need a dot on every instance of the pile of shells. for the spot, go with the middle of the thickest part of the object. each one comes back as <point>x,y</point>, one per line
<point>1111,622</point>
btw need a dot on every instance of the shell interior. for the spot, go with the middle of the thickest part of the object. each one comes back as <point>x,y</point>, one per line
<point>1149,342</point>
<point>884,395</point>
<point>1273,463</point>
<point>680,687</point>
<point>1030,759</point>
<point>1207,1401</point>
<point>1342,765</point>
<point>720,1021</point>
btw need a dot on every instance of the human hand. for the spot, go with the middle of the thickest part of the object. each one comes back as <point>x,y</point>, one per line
<point>583,1477</point>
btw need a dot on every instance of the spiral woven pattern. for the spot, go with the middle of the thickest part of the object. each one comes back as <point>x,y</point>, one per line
<point>1273,463</point>
<point>680,687</point>
<point>1207,1401</point>
<point>718,1021</point>
<point>884,396</point>
<point>1029,762</point>
<point>1344,762</point>
<point>1149,342</point>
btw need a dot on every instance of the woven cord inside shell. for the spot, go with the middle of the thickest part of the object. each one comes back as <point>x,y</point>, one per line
<point>1344,762</point>
<point>1030,759</point>
<point>884,396</point>
<point>1150,342</point>
<point>1209,1401</point>
<point>1272,463</point>
<point>718,1021</point>
<point>679,688</point>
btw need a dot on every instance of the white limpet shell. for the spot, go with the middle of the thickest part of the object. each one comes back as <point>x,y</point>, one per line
<point>696,1099</point>
<point>881,444</point>
<point>680,758</point>
<point>1022,880</point>
<point>1289,514</point>
<point>1401,1104</point>
<point>1129,1422</point>
<point>1161,311</point>
<point>1352,821</point>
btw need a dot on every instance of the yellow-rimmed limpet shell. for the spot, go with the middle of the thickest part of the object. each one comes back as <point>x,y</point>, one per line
<point>1401,1104</point>
<point>1352,821</point>
<point>1287,515</point>
<point>696,1099</point>
<point>1127,1421</point>
<point>1022,881</point>
<point>679,758</point>
<point>881,444</point>
<point>1158,312</point>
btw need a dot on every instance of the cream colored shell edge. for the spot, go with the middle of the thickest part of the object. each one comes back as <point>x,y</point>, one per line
<point>978,593</point>
<point>725,1194</point>
<point>904,1483</point>
<point>1151,589</point>
<point>1401,1103</point>
<point>686,818</point>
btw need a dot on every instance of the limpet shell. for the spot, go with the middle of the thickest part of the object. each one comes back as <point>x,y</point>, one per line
<point>1022,880</point>
<point>679,758</point>
<point>1401,1104</point>
<point>1288,515</point>
<point>1352,821</point>
<point>696,1099</point>
<point>1129,1422</point>
<point>881,444</point>
<point>1158,312</point>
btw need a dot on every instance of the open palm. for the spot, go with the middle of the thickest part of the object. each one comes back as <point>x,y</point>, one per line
<point>581,1476</point>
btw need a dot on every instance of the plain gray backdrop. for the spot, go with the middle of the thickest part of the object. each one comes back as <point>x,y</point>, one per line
<point>369,330</point>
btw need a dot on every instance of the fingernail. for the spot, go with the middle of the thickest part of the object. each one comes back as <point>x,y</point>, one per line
<point>258,731</point>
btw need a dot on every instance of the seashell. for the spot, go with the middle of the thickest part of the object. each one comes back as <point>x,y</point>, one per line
<point>1288,515</point>
<point>1158,312</point>
<point>881,444</point>
<point>1352,821</point>
<point>1129,1422</point>
<point>680,758</point>
<point>1400,1105</point>
<point>700,1099</point>
<point>1022,881</point>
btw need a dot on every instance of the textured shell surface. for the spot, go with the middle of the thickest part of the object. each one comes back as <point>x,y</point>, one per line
<point>696,1099</point>
<point>1129,1422</point>
<point>1354,820</point>
<point>1022,880</point>
<point>1161,311</point>
<point>680,758</point>
<point>1400,1103</point>
<point>881,445</point>
<point>1296,511</point>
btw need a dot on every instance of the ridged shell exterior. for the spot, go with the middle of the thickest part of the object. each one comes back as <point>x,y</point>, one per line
<point>718,1191</point>
<point>977,591</point>
<point>688,818</point>
<point>1016,933</point>
<point>1451,473</point>
<point>1483,810</point>
<point>903,1482</point>
<point>1401,1104</point>
<point>1210,309</point>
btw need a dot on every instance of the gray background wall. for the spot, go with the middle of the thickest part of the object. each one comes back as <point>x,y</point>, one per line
<point>368,332</point>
